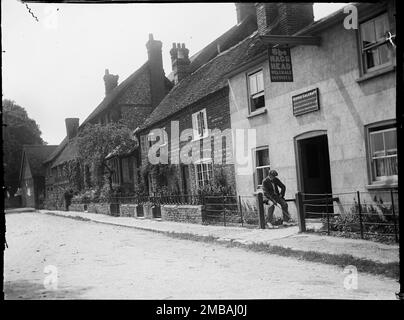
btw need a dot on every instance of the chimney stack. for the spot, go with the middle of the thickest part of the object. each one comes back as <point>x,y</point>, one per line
<point>111,82</point>
<point>157,76</point>
<point>72,127</point>
<point>180,61</point>
<point>244,9</point>
<point>283,18</point>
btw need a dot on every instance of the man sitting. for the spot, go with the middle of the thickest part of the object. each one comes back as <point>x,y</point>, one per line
<point>270,187</point>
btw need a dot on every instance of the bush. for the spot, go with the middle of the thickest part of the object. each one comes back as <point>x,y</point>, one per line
<point>380,223</point>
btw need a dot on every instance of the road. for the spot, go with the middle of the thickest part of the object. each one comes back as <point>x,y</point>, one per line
<point>88,260</point>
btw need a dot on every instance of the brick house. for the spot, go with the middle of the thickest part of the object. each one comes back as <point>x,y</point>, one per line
<point>199,105</point>
<point>32,175</point>
<point>332,129</point>
<point>131,101</point>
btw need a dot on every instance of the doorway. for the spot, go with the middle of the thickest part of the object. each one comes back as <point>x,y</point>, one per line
<point>314,173</point>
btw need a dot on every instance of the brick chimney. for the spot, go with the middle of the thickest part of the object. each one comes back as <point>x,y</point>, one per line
<point>244,9</point>
<point>72,126</point>
<point>111,82</point>
<point>283,18</point>
<point>180,61</point>
<point>157,76</point>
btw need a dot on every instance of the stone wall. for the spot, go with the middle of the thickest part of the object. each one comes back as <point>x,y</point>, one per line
<point>182,213</point>
<point>128,210</point>
<point>80,207</point>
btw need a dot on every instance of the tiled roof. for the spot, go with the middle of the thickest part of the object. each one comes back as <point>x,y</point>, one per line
<point>36,154</point>
<point>208,79</point>
<point>115,93</point>
<point>68,153</point>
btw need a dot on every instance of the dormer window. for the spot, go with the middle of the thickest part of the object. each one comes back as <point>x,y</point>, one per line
<point>256,90</point>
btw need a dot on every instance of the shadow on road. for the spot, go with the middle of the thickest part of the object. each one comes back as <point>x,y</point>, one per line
<point>27,290</point>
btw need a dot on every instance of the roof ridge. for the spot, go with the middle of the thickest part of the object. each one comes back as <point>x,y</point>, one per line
<point>224,52</point>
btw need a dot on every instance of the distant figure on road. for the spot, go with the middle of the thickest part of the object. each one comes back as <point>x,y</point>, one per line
<point>68,198</point>
<point>270,187</point>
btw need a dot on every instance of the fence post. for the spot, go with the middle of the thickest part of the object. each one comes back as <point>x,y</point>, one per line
<point>300,212</point>
<point>224,210</point>
<point>360,213</point>
<point>261,214</point>
<point>241,210</point>
<point>328,216</point>
<point>394,216</point>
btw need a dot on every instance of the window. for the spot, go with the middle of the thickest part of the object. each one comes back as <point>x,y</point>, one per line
<point>383,153</point>
<point>256,90</point>
<point>200,124</point>
<point>127,170</point>
<point>204,173</point>
<point>261,165</point>
<point>374,46</point>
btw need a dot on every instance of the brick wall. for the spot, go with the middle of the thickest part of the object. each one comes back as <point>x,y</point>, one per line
<point>218,117</point>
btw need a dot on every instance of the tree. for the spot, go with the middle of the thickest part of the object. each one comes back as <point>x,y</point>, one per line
<point>96,142</point>
<point>18,129</point>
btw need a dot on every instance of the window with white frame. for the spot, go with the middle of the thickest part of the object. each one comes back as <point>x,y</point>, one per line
<point>375,49</point>
<point>200,124</point>
<point>256,90</point>
<point>204,172</point>
<point>261,165</point>
<point>383,153</point>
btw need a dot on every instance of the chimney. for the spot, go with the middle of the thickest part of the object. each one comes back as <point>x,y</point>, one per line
<point>283,18</point>
<point>157,76</point>
<point>72,126</point>
<point>180,61</point>
<point>244,10</point>
<point>111,82</point>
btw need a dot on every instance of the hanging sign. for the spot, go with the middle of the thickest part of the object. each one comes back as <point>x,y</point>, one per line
<point>305,102</point>
<point>280,65</point>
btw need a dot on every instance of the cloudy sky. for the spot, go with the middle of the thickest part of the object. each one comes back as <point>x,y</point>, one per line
<point>54,58</point>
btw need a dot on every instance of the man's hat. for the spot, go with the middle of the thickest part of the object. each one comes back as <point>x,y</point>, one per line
<point>273,173</point>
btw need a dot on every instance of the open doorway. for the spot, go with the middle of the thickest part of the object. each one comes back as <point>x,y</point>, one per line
<point>314,173</point>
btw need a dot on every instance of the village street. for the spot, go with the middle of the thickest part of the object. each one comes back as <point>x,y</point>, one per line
<point>92,260</point>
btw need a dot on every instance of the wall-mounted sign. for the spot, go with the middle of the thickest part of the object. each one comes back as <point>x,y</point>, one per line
<point>280,65</point>
<point>305,102</point>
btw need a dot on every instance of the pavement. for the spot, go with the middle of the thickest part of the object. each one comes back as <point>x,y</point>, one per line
<point>288,237</point>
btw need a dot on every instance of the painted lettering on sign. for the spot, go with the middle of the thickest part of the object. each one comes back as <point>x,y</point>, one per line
<point>305,102</point>
<point>280,65</point>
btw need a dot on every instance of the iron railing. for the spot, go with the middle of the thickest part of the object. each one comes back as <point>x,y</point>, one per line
<point>366,215</point>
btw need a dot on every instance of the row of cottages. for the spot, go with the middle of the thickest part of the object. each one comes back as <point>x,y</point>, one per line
<point>131,101</point>
<point>134,101</point>
<point>313,100</point>
<point>330,125</point>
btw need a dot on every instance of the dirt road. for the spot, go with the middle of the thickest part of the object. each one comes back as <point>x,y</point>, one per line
<point>86,260</point>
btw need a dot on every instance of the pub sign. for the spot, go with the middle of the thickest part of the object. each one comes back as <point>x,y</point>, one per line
<point>280,65</point>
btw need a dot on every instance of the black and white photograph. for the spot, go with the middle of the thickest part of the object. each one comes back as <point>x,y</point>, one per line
<point>222,152</point>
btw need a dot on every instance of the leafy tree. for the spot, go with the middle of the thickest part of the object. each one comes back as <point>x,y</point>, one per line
<point>97,141</point>
<point>18,129</point>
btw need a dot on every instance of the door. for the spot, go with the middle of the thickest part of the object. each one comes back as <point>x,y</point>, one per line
<point>315,174</point>
<point>185,180</point>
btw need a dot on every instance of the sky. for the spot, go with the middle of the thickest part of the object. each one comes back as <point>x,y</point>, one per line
<point>54,57</point>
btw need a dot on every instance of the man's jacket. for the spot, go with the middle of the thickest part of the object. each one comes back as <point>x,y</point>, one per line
<point>270,187</point>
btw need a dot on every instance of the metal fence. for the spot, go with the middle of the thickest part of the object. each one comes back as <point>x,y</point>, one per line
<point>218,209</point>
<point>231,210</point>
<point>365,215</point>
